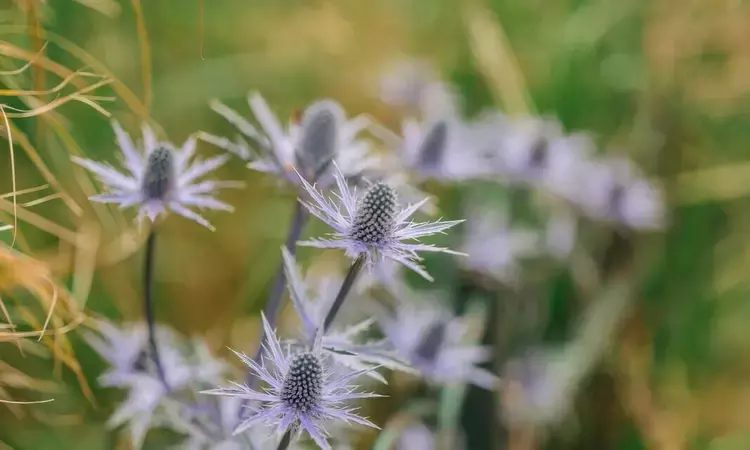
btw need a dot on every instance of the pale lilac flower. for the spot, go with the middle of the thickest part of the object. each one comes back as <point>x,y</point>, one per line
<point>541,387</point>
<point>614,190</point>
<point>126,350</point>
<point>374,224</point>
<point>159,178</point>
<point>416,437</point>
<point>438,149</point>
<point>344,346</point>
<point>303,391</point>
<point>537,152</point>
<point>324,134</point>
<point>430,339</point>
<point>495,248</point>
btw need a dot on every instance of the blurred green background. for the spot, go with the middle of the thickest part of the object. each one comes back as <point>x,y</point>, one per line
<point>667,80</point>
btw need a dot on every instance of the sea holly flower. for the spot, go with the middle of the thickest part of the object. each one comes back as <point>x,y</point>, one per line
<point>430,340</point>
<point>125,349</point>
<point>538,152</point>
<point>373,224</point>
<point>304,391</point>
<point>160,177</point>
<point>342,345</point>
<point>614,190</point>
<point>323,134</point>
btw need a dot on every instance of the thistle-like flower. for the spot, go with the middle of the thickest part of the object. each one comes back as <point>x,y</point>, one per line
<point>374,224</point>
<point>303,391</point>
<point>537,152</point>
<point>430,340</point>
<point>323,134</point>
<point>160,178</point>
<point>614,190</point>
<point>125,349</point>
<point>341,344</point>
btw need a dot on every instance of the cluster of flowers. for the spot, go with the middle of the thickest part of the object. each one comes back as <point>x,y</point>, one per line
<point>310,380</point>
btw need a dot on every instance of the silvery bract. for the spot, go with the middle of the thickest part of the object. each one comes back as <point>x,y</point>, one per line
<point>342,345</point>
<point>323,134</point>
<point>160,178</point>
<point>431,340</point>
<point>304,392</point>
<point>373,224</point>
<point>126,350</point>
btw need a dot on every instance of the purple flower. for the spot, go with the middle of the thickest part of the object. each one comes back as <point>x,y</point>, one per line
<point>144,406</point>
<point>341,345</point>
<point>614,190</point>
<point>537,152</point>
<point>440,149</point>
<point>323,134</point>
<point>373,224</point>
<point>494,248</point>
<point>416,437</point>
<point>303,391</point>
<point>430,339</point>
<point>160,178</point>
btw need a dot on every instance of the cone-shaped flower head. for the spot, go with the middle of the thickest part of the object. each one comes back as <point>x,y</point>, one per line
<point>430,340</point>
<point>322,135</point>
<point>444,149</point>
<point>303,391</point>
<point>373,224</point>
<point>318,138</point>
<point>160,178</point>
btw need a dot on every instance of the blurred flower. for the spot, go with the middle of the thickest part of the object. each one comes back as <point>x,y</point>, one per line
<point>164,179</point>
<point>537,151</point>
<point>614,190</point>
<point>324,134</point>
<point>416,437</point>
<point>341,345</point>
<point>125,349</point>
<point>494,248</point>
<point>414,84</point>
<point>304,393</point>
<point>539,387</point>
<point>373,225</point>
<point>440,149</point>
<point>429,338</point>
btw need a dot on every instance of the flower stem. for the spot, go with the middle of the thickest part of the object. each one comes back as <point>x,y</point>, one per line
<point>148,305</point>
<point>285,440</point>
<point>346,286</point>
<point>273,305</point>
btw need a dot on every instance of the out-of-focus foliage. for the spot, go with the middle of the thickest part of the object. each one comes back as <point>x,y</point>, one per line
<point>663,81</point>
